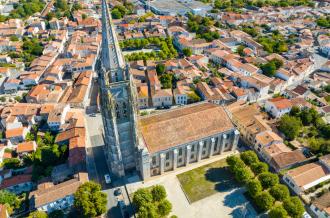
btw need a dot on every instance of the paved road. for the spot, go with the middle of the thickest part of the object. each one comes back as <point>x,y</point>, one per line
<point>96,162</point>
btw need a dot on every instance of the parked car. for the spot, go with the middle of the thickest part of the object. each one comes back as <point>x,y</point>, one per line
<point>107,178</point>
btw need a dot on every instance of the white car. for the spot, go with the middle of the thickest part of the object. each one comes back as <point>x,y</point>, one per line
<point>107,178</point>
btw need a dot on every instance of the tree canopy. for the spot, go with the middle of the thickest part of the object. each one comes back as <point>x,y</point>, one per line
<point>259,167</point>
<point>290,126</point>
<point>280,192</point>
<point>278,212</point>
<point>294,207</point>
<point>151,203</point>
<point>264,201</point>
<point>268,179</point>
<point>249,157</point>
<point>187,52</point>
<point>89,200</point>
<point>254,187</point>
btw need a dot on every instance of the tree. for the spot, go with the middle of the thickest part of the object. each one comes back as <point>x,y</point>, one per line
<point>234,162</point>
<point>278,212</point>
<point>56,214</point>
<point>268,69</point>
<point>160,69</point>
<point>193,97</point>
<point>158,193</point>
<point>14,38</point>
<point>29,136</point>
<point>294,207</point>
<point>83,16</point>
<point>280,192</point>
<point>38,214</point>
<point>164,208</point>
<point>187,52</point>
<point>9,199</point>
<point>142,197</point>
<point>11,163</point>
<point>18,98</point>
<point>249,157</point>
<point>115,13</point>
<point>61,4</point>
<point>290,126</point>
<point>264,201</point>
<point>166,81</point>
<point>243,175</point>
<point>268,179</point>
<point>295,111</point>
<point>254,187</point>
<point>89,200</point>
<point>240,49</point>
<point>259,167</point>
<point>148,210</point>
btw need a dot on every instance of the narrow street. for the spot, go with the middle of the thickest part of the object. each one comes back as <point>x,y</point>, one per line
<point>96,162</point>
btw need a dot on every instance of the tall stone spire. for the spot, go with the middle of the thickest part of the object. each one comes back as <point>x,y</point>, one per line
<point>117,101</point>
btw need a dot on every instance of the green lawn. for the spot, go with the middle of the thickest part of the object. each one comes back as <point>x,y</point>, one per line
<point>206,180</point>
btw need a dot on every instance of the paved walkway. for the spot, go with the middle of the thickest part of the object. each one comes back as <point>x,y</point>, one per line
<point>220,205</point>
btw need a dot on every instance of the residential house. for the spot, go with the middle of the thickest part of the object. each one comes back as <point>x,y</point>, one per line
<point>306,176</point>
<point>16,135</point>
<point>277,107</point>
<point>18,184</point>
<point>181,94</point>
<point>143,96</point>
<point>56,117</point>
<point>162,98</point>
<point>49,197</point>
<point>11,85</point>
<point>27,147</point>
<point>321,206</point>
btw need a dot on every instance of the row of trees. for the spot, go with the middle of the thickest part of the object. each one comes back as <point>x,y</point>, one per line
<point>233,5</point>
<point>264,187</point>
<point>152,203</point>
<point>167,51</point>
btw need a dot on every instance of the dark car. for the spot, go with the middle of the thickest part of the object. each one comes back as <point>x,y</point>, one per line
<point>117,192</point>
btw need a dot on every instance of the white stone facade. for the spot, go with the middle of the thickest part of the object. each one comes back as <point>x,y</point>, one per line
<point>183,155</point>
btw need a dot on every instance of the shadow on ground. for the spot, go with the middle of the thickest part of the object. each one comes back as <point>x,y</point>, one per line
<point>223,179</point>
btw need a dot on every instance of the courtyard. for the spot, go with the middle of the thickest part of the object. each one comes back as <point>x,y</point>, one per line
<point>203,190</point>
<point>207,180</point>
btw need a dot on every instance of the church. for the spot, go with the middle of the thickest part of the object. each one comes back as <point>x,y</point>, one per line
<point>179,137</point>
<point>158,143</point>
